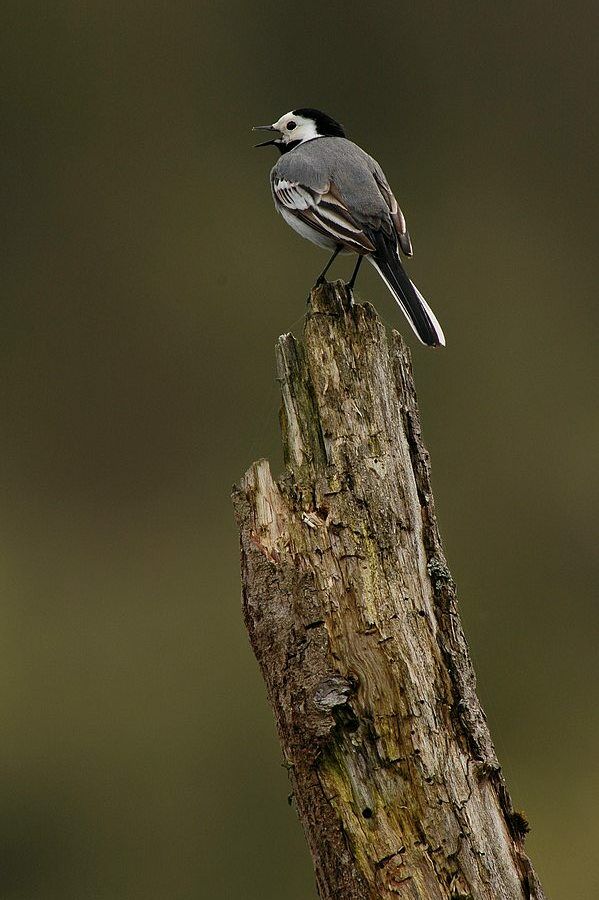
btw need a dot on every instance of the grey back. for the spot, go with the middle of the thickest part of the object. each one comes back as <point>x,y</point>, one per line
<point>335,161</point>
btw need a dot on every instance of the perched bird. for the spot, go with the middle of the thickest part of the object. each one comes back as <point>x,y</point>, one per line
<point>336,195</point>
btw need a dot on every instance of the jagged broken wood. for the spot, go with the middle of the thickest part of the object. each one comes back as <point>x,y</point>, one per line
<point>352,615</point>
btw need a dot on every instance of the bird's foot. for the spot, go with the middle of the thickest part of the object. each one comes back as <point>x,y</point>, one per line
<point>318,283</point>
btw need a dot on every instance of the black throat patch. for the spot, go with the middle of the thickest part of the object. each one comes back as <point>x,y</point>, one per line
<point>282,147</point>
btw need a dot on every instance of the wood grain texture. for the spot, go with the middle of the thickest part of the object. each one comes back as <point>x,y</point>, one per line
<point>352,615</point>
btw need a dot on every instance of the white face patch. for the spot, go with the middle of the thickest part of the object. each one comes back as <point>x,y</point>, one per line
<point>301,129</point>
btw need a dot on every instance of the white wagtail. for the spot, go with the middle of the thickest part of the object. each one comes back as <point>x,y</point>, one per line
<point>336,195</point>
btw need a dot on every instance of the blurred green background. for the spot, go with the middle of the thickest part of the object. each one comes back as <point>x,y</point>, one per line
<point>146,279</point>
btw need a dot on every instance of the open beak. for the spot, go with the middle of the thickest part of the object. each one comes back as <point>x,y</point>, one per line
<point>265,128</point>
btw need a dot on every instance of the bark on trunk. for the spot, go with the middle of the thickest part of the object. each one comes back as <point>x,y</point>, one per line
<point>352,615</point>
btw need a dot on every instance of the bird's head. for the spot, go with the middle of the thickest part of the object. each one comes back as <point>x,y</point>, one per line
<point>298,126</point>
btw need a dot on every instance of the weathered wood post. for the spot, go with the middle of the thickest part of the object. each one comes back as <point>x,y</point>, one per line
<point>352,615</point>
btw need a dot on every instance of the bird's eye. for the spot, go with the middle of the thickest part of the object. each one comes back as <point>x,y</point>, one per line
<point>291,126</point>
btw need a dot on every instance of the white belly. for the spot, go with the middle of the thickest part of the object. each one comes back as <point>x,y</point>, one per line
<point>306,230</point>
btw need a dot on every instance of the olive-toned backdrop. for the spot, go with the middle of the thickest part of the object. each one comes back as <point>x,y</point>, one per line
<point>145,281</point>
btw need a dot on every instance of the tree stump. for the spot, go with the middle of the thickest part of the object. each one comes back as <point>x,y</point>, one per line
<point>352,615</point>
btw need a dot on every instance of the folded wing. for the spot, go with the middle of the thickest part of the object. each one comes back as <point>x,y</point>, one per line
<point>399,222</point>
<point>324,211</point>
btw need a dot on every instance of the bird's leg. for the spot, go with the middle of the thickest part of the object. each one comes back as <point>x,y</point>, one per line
<point>320,278</point>
<point>352,280</point>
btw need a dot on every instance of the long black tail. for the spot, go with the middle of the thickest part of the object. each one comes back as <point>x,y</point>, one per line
<point>415,308</point>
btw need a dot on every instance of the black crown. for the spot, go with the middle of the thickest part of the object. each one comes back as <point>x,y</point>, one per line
<point>325,125</point>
